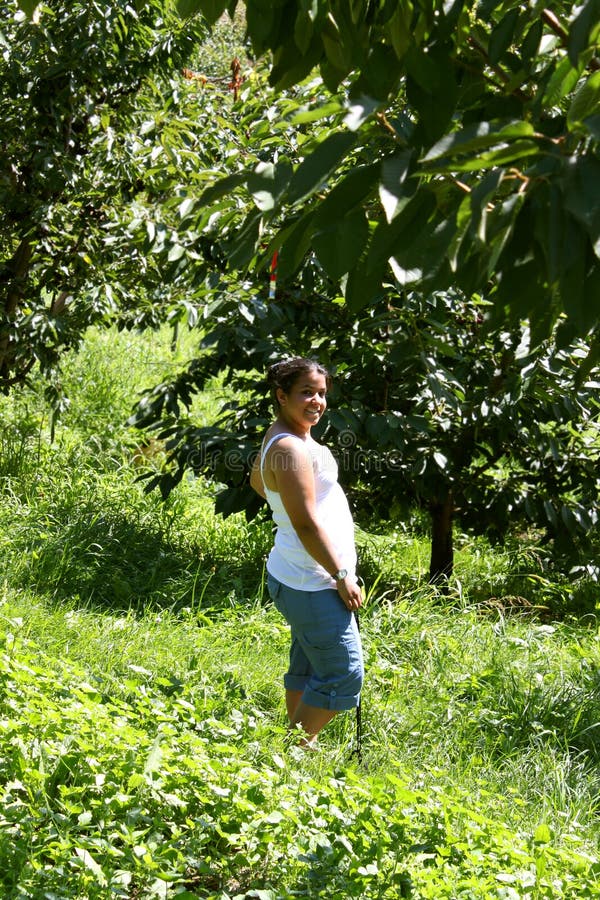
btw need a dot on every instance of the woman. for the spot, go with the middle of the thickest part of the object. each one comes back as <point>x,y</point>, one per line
<point>311,568</point>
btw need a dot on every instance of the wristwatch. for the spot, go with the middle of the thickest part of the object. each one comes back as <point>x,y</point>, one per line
<point>340,574</point>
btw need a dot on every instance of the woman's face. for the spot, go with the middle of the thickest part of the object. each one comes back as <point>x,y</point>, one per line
<point>306,401</point>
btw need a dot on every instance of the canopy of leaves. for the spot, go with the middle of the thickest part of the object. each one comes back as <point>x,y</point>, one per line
<point>93,139</point>
<point>456,144</point>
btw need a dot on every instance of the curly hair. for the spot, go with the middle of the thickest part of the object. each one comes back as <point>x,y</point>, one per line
<point>285,373</point>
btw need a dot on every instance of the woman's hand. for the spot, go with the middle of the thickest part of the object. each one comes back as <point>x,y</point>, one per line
<point>351,594</point>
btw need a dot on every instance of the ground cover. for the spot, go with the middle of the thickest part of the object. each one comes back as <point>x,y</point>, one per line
<point>143,751</point>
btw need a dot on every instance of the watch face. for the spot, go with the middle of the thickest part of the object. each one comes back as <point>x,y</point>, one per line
<point>341,574</point>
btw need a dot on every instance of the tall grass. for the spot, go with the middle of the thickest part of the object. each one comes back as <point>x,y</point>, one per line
<point>143,749</point>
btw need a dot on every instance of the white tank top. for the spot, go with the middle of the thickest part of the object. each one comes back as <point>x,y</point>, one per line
<point>288,561</point>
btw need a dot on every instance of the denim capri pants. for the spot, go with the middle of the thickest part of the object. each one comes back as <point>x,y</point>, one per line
<point>326,661</point>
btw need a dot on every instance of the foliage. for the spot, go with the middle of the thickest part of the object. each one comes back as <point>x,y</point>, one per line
<point>429,409</point>
<point>464,155</point>
<point>74,521</point>
<point>142,748</point>
<point>454,145</point>
<point>99,126</point>
<point>151,795</point>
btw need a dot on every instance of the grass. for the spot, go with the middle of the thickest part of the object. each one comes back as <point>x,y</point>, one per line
<point>143,749</point>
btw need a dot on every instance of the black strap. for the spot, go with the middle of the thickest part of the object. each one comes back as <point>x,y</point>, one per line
<point>358,748</point>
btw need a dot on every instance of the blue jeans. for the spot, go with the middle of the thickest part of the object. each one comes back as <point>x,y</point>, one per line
<point>326,661</point>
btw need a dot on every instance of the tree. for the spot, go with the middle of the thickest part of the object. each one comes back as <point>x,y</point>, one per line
<point>428,410</point>
<point>442,151</point>
<point>475,128</point>
<point>96,145</point>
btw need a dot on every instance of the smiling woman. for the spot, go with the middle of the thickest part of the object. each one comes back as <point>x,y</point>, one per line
<point>311,568</point>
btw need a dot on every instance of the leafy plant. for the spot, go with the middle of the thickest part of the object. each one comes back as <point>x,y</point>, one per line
<point>452,147</point>
<point>429,409</point>
<point>143,751</point>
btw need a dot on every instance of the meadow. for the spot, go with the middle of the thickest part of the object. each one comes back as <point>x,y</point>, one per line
<point>143,747</point>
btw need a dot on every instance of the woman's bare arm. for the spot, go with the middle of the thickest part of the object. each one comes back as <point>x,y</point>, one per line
<point>293,473</point>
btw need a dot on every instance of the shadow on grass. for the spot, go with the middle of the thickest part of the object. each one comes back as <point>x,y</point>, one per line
<point>117,561</point>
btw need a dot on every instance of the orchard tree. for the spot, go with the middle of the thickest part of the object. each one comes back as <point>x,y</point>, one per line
<point>455,145</point>
<point>99,130</point>
<point>428,410</point>
<point>414,158</point>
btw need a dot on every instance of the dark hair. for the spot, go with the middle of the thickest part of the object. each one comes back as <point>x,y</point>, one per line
<point>285,373</point>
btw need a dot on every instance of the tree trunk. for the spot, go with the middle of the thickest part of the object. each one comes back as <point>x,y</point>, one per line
<point>442,551</point>
<point>16,271</point>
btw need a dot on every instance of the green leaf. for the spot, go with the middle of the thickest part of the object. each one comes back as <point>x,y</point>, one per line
<point>393,190</point>
<point>431,88</point>
<point>186,207</point>
<point>420,254</point>
<point>523,291</point>
<point>267,182</point>
<point>380,74</point>
<point>331,75</point>
<point>478,199</point>
<point>339,246</point>
<point>440,460</point>
<point>531,43</point>
<point>322,111</point>
<point>240,498</point>
<point>211,10</point>
<point>542,835</point>
<point>485,8</point>
<point>363,285</point>
<point>549,226</point>
<point>303,30</point>
<point>584,28</point>
<point>550,512</point>
<point>513,154</point>
<point>29,7</point>
<point>563,81</point>
<point>154,758</point>
<point>91,864</point>
<point>591,292</point>
<point>337,53</point>
<point>586,102</point>
<point>399,28</point>
<point>243,246</point>
<point>572,273</point>
<point>582,195</point>
<point>500,228</point>
<point>290,66</point>
<point>502,35</point>
<point>316,168</point>
<point>222,187</point>
<point>477,137</point>
<point>592,126</point>
<point>359,111</point>
<point>176,252</point>
<point>387,239</point>
<point>295,245</point>
<point>348,193</point>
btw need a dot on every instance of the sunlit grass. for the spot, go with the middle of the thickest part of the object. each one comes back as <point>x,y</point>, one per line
<point>142,722</point>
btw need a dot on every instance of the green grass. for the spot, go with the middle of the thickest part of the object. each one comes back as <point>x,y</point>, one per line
<point>143,749</point>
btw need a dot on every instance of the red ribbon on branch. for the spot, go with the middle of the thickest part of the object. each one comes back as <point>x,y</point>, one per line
<point>273,276</point>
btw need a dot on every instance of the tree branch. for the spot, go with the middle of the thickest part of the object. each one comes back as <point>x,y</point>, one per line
<point>561,32</point>
<point>17,268</point>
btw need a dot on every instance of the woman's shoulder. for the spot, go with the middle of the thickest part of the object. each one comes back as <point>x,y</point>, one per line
<point>282,449</point>
<point>284,440</point>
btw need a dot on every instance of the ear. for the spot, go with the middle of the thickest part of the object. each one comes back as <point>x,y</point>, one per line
<point>281,396</point>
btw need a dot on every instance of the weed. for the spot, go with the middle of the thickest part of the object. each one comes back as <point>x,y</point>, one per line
<point>143,747</point>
